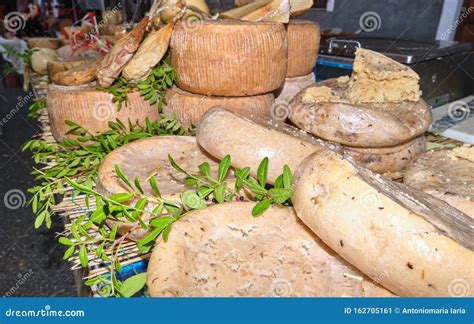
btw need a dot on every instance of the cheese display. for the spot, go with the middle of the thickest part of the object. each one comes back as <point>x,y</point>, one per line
<point>402,238</point>
<point>446,174</point>
<point>189,107</point>
<point>85,105</point>
<point>229,58</point>
<point>224,251</point>
<point>326,111</point>
<point>377,78</point>
<point>303,47</point>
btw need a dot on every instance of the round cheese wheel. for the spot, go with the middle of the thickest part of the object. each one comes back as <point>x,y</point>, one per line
<point>388,159</point>
<point>325,111</point>
<point>92,109</point>
<point>64,65</point>
<point>447,175</point>
<point>303,46</point>
<point>148,158</point>
<point>411,243</point>
<point>293,86</point>
<point>40,59</point>
<point>43,42</point>
<point>189,107</point>
<point>224,251</point>
<point>229,57</point>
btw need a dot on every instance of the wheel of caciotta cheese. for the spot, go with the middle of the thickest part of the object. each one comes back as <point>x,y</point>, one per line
<point>224,251</point>
<point>189,107</point>
<point>446,174</point>
<point>303,46</point>
<point>61,66</point>
<point>92,109</point>
<point>388,159</point>
<point>293,86</point>
<point>229,57</point>
<point>325,111</point>
<point>223,132</point>
<point>382,228</point>
<point>148,158</point>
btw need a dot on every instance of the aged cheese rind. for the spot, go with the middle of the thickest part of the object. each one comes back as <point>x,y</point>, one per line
<point>223,132</point>
<point>92,109</point>
<point>388,159</point>
<point>145,158</point>
<point>293,86</point>
<point>365,219</point>
<point>224,251</point>
<point>189,107</point>
<point>447,175</point>
<point>229,58</point>
<point>303,45</point>
<point>377,78</point>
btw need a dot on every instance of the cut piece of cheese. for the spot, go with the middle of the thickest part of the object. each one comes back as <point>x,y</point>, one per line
<point>293,86</point>
<point>189,107</point>
<point>447,175</point>
<point>64,65</point>
<point>92,109</point>
<point>377,78</point>
<point>245,9</point>
<point>325,111</point>
<point>276,11</point>
<point>411,243</point>
<point>229,57</point>
<point>297,7</point>
<point>224,251</point>
<point>303,46</point>
<point>170,8</point>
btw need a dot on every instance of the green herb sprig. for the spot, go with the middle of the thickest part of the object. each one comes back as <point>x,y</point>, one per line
<point>153,89</point>
<point>80,158</point>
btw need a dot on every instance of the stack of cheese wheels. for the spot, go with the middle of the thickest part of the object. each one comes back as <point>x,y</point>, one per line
<point>92,109</point>
<point>229,63</point>
<point>376,114</point>
<point>303,45</point>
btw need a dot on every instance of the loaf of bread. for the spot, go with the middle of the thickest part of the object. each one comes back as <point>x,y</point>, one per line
<point>377,78</point>
<point>224,251</point>
<point>411,243</point>
<point>447,175</point>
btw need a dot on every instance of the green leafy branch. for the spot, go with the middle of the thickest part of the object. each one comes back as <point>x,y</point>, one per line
<point>153,89</point>
<point>80,158</point>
